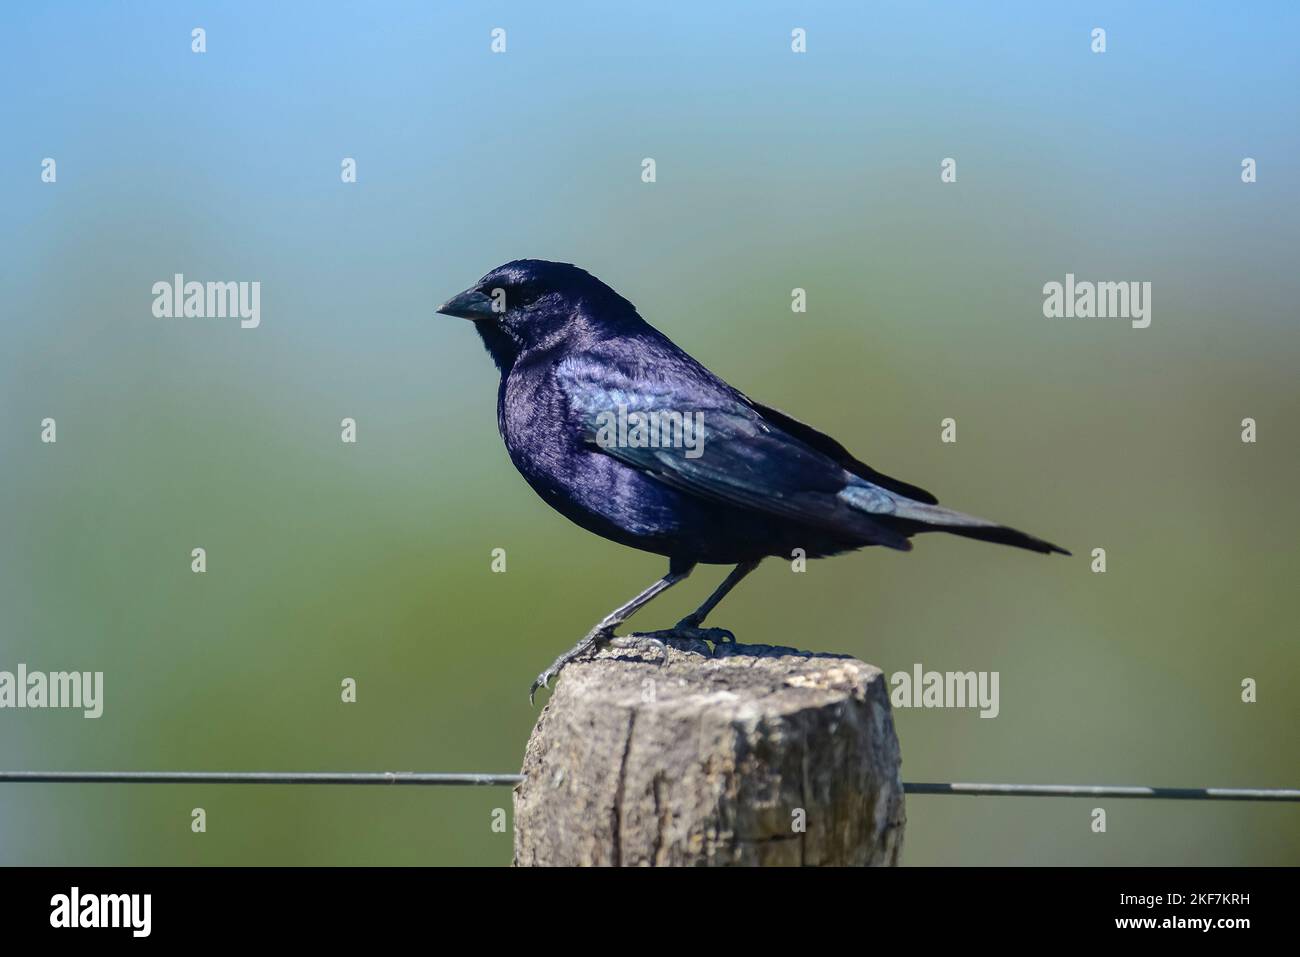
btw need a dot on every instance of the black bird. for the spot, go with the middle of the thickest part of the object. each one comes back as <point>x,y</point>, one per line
<point>600,413</point>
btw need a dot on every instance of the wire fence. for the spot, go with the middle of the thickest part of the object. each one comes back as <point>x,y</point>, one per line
<point>259,777</point>
<point>432,778</point>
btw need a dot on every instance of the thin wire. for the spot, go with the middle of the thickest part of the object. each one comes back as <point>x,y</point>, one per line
<point>256,777</point>
<point>489,780</point>
<point>1103,791</point>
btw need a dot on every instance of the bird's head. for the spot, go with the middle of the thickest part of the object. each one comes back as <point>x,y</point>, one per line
<point>532,303</point>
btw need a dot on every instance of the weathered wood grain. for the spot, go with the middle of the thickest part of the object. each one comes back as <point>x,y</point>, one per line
<point>759,755</point>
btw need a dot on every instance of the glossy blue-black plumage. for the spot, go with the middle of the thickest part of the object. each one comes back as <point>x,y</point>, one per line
<point>573,353</point>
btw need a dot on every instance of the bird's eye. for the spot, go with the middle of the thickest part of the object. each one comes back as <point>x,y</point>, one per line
<point>517,294</point>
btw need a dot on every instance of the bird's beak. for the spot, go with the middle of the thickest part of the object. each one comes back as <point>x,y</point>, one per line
<point>470,304</point>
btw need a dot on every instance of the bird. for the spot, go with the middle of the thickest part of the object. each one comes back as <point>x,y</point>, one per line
<point>626,435</point>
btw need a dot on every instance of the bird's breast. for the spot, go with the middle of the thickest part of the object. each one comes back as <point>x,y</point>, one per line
<point>546,444</point>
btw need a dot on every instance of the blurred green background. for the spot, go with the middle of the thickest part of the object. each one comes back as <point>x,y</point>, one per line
<point>372,561</point>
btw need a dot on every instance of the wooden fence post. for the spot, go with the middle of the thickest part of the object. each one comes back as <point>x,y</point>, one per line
<point>758,756</point>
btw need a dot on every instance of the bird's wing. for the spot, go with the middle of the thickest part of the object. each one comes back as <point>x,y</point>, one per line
<point>829,447</point>
<point>737,456</point>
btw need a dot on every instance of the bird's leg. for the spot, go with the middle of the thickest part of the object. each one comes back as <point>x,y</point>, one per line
<point>689,627</point>
<point>604,629</point>
<point>695,618</point>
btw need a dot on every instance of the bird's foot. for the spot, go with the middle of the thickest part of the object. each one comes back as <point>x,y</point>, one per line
<point>691,623</point>
<point>595,638</point>
<point>679,632</point>
<point>684,630</point>
<point>637,641</point>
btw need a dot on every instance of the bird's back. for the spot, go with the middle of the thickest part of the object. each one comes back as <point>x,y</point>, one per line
<point>544,408</point>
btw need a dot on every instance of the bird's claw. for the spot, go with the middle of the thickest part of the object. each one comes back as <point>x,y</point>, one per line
<point>596,637</point>
<point>636,640</point>
<point>541,681</point>
<point>690,627</point>
<point>716,636</point>
<point>686,633</point>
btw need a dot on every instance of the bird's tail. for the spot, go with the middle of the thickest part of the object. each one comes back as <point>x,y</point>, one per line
<point>911,517</point>
<point>936,518</point>
<point>1003,535</point>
